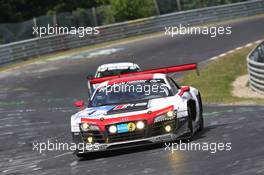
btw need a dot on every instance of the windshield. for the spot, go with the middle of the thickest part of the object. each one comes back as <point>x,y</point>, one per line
<point>130,92</point>
<point>115,72</point>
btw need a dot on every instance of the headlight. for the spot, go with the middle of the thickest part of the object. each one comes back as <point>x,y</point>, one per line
<point>168,128</point>
<point>85,127</point>
<point>90,139</point>
<point>88,127</point>
<point>168,116</point>
<point>170,113</point>
<point>140,125</point>
<point>112,129</point>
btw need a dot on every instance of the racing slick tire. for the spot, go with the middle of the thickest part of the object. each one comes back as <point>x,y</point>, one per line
<point>188,136</point>
<point>80,155</point>
<point>190,119</point>
<point>201,120</point>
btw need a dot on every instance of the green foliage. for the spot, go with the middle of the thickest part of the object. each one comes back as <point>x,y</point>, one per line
<point>167,6</point>
<point>79,12</point>
<point>81,17</point>
<point>22,10</point>
<point>128,10</point>
<point>216,78</point>
<point>1,40</point>
<point>104,15</point>
<point>51,12</point>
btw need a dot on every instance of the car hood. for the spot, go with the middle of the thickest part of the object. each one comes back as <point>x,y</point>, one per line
<point>108,110</point>
<point>124,109</point>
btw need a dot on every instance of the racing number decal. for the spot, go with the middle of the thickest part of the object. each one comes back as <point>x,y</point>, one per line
<point>131,127</point>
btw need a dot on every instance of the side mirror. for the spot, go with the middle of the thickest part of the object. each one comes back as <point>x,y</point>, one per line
<point>89,103</point>
<point>184,89</point>
<point>79,104</point>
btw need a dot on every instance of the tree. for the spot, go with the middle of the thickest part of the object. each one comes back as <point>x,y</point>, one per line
<point>132,9</point>
<point>22,10</point>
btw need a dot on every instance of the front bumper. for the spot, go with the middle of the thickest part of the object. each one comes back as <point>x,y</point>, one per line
<point>126,144</point>
<point>152,135</point>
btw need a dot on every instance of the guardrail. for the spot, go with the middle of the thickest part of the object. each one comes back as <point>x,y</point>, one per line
<point>255,62</point>
<point>39,46</point>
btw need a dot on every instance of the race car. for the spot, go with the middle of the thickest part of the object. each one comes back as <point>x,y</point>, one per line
<point>116,69</point>
<point>111,69</point>
<point>135,109</point>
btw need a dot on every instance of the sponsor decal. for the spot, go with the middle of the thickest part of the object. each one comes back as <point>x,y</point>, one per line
<point>122,128</point>
<point>95,111</point>
<point>124,119</point>
<point>126,127</point>
<point>125,106</point>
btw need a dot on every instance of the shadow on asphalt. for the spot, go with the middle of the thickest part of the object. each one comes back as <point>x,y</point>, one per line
<point>201,134</point>
<point>123,151</point>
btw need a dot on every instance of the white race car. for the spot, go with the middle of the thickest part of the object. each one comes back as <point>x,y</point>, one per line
<point>112,69</point>
<point>136,109</point>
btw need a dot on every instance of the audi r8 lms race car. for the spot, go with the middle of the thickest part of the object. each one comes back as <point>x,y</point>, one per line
<point>135,109</point>
<point>116,69</point>
<point>111,69</point>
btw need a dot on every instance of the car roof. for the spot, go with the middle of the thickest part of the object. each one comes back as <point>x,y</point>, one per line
<point>113,66</point>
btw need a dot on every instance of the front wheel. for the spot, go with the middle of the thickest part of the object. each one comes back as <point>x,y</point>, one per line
<point>80,155</point>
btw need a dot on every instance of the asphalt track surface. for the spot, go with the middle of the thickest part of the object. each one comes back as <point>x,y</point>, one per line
<point>36,105</point>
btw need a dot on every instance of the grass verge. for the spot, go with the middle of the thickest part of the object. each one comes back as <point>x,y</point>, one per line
<point>216,78</point>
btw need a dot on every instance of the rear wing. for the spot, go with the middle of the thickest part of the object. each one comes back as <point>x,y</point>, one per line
<point>164,70</point>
